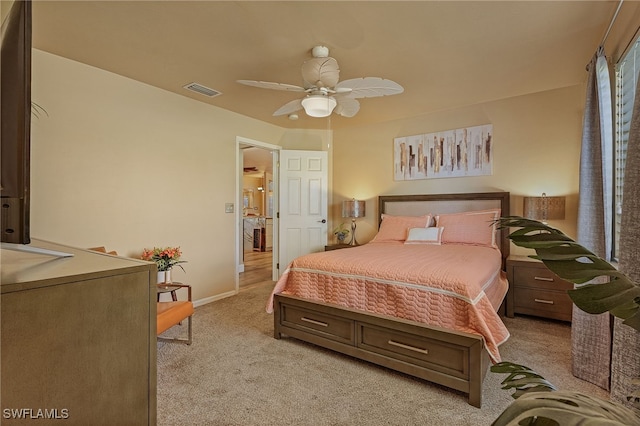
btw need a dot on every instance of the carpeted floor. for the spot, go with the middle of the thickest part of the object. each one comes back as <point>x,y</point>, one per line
<point>236,373</point>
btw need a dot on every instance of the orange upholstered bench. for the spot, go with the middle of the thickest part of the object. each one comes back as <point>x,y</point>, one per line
<point>173,313</point>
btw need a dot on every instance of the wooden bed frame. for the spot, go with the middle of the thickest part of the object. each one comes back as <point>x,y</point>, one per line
<point>450,358</point>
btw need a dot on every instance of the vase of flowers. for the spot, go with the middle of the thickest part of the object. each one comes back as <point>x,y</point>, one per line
<point>165,259</point>
<point>341,232</point>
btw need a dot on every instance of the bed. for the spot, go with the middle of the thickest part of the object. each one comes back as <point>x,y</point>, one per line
<point>403,300</point>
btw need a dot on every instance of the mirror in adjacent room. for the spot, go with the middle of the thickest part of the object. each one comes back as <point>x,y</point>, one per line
<point>247,202</point>
<point>269,212</point>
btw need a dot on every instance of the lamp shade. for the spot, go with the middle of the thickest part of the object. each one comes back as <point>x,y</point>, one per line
<point>318,105</point>
<point>544,208</point>
<point>353,208</point>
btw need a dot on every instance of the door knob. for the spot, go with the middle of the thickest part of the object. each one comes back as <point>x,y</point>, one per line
<point>323,221</point>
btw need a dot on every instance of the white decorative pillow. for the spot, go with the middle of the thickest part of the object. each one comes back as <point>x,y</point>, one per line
<point>425,236</point>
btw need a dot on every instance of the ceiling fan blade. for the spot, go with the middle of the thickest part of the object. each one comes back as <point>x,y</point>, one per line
<point>270,85</point>
<point>341,90</point>
<point>347,107</point>
<point>321,72</point>
<point>369,87</point>
<point>289,107</point>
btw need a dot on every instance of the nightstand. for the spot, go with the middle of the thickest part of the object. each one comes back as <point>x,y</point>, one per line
<point>337,246</point>
<point>535,290</point>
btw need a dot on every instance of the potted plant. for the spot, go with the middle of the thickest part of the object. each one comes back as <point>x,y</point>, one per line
<point>534,404</point>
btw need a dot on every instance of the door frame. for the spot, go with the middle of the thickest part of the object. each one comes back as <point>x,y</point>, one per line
<point>275,149</point>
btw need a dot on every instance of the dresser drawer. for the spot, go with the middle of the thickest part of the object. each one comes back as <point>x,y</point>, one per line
<point>540,278</point>
<point>415,349</point>
<point>550,304</point>
<point>325,325</point>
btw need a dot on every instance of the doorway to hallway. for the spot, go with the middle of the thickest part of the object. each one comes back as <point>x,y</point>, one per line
<point>257,242</point>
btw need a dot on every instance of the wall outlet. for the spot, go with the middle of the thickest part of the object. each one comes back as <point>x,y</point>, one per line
<point>228,207</point>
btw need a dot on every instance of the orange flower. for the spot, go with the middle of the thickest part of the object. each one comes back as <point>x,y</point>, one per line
<point>165,258</point>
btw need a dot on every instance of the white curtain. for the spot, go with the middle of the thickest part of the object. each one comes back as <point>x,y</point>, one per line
<point>591,334</point>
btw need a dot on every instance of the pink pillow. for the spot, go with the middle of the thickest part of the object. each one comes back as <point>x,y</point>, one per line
<point>395,228</point>
<point>473,228</point>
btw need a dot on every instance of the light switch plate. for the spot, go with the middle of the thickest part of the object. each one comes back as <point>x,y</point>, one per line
<point>228,207</point>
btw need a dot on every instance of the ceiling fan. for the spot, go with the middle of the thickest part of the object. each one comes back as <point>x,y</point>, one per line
<point>324,93</point>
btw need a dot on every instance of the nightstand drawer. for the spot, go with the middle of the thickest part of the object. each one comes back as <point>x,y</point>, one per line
<point>540,278</point>
<point>550,304</point>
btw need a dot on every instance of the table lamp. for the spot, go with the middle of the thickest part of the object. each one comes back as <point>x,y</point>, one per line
<point>544,208</point>
<point>353,208</point>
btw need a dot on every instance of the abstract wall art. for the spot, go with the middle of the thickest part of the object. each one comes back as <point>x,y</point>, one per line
<point>450,153</point>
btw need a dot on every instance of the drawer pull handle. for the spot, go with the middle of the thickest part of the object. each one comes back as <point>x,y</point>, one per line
<point>543,279</point>
<point>548,302</point>
<point>323,324</point>
<point>411,348</point>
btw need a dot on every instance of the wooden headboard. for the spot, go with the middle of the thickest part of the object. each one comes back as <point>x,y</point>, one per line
<point>415,205</point>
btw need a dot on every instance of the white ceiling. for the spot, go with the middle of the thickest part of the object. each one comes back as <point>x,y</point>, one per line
<point>259,158</point>
<point>446,54</point>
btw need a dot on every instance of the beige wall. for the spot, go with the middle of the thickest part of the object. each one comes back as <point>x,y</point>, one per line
<point>126,165</point>
<point>5,7</point>
<point>536,149</point>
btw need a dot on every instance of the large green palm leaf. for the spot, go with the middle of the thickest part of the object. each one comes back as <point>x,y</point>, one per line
<point>565,409</point>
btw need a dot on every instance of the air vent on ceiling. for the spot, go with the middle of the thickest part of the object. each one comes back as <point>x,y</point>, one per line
<point>199,88</point>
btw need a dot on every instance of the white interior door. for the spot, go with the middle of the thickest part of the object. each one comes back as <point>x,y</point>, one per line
<point>303,204</point>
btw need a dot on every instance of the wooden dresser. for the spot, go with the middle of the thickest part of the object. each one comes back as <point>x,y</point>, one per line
<point>78,338</point>
<point>535,290</point>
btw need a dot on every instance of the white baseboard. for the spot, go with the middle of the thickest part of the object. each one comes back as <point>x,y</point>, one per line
<point>206,300</point>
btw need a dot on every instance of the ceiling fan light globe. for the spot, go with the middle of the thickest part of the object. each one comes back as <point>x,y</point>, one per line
<point>318,105</point>
<point>320,52</point>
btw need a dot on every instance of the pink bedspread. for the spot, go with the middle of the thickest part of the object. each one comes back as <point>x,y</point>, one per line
<point>441,285</point>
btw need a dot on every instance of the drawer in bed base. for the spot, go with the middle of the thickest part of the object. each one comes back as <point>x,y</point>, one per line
<point>321,324</point>
<point>415,349</point>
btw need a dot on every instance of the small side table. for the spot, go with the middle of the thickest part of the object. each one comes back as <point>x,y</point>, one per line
<point>169,288</point>
<point>535,290</point>
<point>337,247</point>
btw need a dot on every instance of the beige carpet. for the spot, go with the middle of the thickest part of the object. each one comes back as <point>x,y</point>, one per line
<point>236,373</point>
